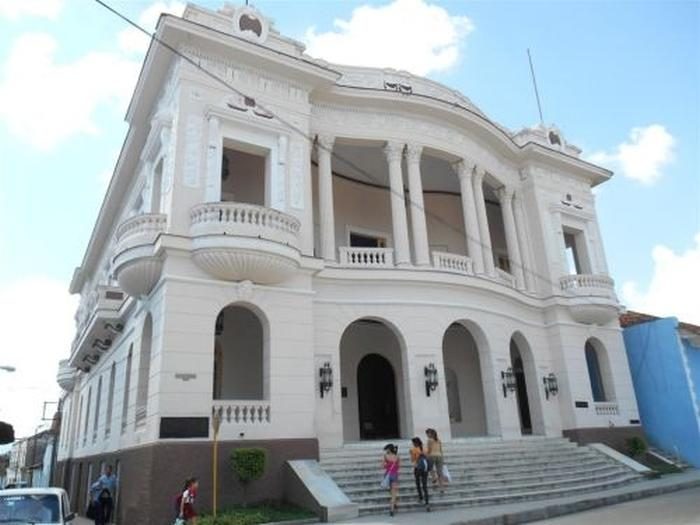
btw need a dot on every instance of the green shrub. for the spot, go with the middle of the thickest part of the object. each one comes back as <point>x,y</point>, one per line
<point>248,464</point>
<point>635,446</point>
<point>257,514</point>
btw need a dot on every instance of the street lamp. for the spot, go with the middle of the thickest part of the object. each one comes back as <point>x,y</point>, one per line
<point>8,368</point>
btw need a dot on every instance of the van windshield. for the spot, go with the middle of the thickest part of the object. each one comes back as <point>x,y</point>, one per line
<point>29,508</point>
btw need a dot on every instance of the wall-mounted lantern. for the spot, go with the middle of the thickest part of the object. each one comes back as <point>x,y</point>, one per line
<point>431,379</point>
<point>325,374</point>
<point>508,381</point>
<point>551,387</point>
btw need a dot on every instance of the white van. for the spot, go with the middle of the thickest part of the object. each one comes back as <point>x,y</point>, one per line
<point>41,506</point>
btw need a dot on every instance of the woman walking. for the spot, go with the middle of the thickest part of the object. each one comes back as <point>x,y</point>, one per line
<point>435,458</point>
<point>420,471</point>
<point>390,463</point>
<point>185,504</point>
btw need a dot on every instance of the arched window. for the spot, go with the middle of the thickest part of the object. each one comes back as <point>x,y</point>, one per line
<point>144,370</point>
<point>239,355</point>
<point>110,400</point>
<point>595,373</point>
<point>87,416</point>
<point>127,387</point>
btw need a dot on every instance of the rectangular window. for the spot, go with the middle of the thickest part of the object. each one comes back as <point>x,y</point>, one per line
<point>243,177</point>
<point>361,240</point>
<point>576,252</point>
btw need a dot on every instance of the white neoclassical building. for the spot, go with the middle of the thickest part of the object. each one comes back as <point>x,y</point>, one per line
<point>322,254</point>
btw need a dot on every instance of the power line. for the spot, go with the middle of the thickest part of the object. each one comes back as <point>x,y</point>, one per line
<point>526,271</point>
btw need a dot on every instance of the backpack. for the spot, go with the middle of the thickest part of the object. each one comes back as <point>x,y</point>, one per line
<point>422,463</point>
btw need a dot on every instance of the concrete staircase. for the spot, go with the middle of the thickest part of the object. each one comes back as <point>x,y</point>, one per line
<point>484,472</point>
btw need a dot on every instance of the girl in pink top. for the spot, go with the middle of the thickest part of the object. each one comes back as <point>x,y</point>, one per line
<point>391,473</point>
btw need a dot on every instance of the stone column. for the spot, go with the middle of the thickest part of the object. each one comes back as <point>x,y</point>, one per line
<point>415,190</point>
<point>326,217</point>
<point>394,152</point>
<point>471,223</point>
<point>212,191</point>
<point>525,251</point>
<point>484,233</point>
<point>505,195</point>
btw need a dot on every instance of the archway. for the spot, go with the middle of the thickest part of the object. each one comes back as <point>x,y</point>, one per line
<point>239,355</point>
<point>376,398</point>
<point>463,382</point>
<point>372,382</point>
<point>527,392</point>
<point>599,371</point>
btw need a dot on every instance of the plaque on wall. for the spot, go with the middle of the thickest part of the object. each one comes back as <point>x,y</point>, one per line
<point>184,427</point>
<point>581,404</point>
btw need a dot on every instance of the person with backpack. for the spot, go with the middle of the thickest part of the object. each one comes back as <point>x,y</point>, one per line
<point>390,463</point>
<point>185,503</point>
<point>102,493</point>
<point>420,471</point>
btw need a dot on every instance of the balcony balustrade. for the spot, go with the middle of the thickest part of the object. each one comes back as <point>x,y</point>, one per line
<point>452,262</point>
<point>237,241</point>
<point>606,409</point>
<point>354,257</point>
<point>243,412</point>
<point>591,297</point>
<point>136,266</point>
<point>505,277</point>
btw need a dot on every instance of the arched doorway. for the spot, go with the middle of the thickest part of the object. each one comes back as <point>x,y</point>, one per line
<point>464,386</point>
<point>599,374</point>
<point>521,389</point>
<point>372,381</point>
<point>376,398</point>
<point>239,355</point>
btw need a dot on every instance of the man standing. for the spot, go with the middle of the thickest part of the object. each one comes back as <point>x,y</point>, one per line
<point>103,492</point>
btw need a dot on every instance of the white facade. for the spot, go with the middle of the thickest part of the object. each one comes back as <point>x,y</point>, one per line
<point>278,187</point>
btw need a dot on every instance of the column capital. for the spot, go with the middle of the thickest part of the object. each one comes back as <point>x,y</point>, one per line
<point>465,169</point>
<point>413,152</point>
<point>325,141</point>
<point>479,174</point>
<point>393,151</point>
<point>505,194</point>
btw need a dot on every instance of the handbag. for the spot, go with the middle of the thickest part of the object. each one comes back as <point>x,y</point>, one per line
<point>446,474</point>
<point>386,482</point>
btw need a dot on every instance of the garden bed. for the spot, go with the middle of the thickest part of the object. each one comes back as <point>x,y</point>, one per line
<point>257,514</point>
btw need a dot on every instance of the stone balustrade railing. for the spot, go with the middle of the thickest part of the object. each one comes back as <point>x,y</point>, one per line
<point>250,412</point>
<point>145,223</point>
<point>366,257</point>
<point>505,277</point>
<point>453,262</point>
<point>582,281</point>
<point>228,216</point>
<point>606,409</point>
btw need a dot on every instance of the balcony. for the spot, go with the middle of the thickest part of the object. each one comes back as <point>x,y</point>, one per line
<point>591,297</point>
<point>451,262</point>
<point>237,241</point>
<point>136,266</point>
<point>243,412</point>
<point>99,322</point>
<point>353,257</point>
<point>66,376</point>
<point>606,409</point>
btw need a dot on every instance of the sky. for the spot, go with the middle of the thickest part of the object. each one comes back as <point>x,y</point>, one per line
<point>621,80</point>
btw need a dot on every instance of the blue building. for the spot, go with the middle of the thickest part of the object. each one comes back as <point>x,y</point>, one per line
<point>664,359</point>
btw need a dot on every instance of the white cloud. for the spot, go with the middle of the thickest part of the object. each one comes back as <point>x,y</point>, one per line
<point>643,156</point>
<point>406,34</point>
<point>131,40</point>
<point>45,102</point>
<point>674,289</point>
<point>37,329</point>
<point>16,9</point>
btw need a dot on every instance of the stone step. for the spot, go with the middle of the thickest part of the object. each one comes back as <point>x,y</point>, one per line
<point>347,484</point>
<point>457,472</point>
<point>473,463</point>
<point>442,502</point>
<point>376,493</point>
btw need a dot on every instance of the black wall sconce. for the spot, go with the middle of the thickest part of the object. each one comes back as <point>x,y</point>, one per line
<point>508,381</point>
<point>431,380</point>
<point>551,387</point>
<point>325,374</point>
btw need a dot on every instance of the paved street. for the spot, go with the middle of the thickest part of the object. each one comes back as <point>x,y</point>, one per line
<point>676,508</point>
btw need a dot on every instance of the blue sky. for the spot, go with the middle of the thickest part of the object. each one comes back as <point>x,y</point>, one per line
<point>604,69</point>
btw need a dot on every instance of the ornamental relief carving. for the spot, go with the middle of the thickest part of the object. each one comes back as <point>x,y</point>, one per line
<point>343,122</point>
<point>234,73</point>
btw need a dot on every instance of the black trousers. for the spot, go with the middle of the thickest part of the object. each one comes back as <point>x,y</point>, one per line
<point>104,511</point>
<point>421,477</point>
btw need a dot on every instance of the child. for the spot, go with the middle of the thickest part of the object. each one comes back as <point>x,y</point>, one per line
<point>186,501</point>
